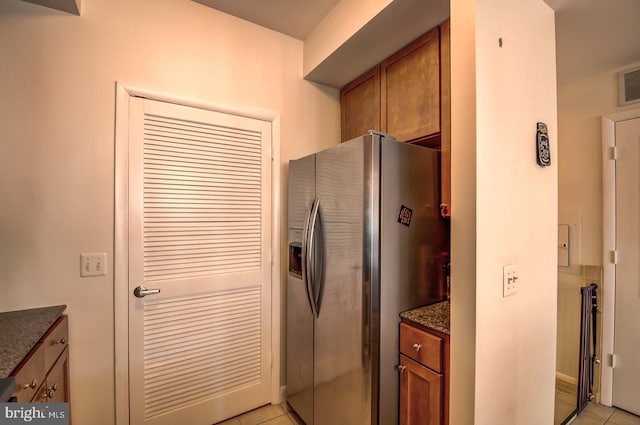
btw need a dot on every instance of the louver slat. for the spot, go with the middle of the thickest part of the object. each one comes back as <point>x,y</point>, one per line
<point>200,346</point>
<point>202,199</point>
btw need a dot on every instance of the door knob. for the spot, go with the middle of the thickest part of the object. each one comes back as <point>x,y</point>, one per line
<point>142,291</point>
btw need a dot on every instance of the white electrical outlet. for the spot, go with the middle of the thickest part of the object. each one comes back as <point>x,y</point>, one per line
<point>509,280</point>
<point>93,264</point>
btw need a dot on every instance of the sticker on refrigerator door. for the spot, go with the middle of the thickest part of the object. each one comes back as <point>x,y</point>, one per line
<point>404,217</point>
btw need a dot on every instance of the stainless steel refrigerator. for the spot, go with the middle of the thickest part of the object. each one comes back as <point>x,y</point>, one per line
<point>366,242</point>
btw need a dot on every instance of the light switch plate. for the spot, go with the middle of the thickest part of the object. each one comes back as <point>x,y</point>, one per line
<point>93,264</point>
<point>509,280</point>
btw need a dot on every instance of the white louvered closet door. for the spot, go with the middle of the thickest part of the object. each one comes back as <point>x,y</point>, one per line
<point>199,231</point>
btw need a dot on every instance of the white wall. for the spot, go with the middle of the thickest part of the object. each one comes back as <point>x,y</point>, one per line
<point>515,217</point>
<point>57,143</point>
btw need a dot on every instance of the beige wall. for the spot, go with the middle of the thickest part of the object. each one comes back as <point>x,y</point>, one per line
<point>580,107</point>
<point>569,317</point>
<point>57,142</point>
<point>515,212</point>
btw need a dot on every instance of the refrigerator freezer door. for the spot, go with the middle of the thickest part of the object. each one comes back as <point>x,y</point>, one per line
<point>299,350</point>
<point>302,190</point>
<point>342,368</point>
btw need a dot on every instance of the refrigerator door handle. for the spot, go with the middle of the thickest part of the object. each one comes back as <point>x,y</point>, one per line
<point>311,281</point>
<point>305,255</point>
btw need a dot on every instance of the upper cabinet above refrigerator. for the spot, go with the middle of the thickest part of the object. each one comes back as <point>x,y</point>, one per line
<point>408,97</point>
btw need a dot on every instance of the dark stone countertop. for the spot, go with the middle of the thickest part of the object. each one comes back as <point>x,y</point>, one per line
<point>20,331</point>
<point>433,316</point>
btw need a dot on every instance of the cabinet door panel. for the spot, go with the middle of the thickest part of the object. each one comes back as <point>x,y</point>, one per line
<point>420,394</point>
<point>410,89</point>
<point>30,375</point>
<point>360,105</point>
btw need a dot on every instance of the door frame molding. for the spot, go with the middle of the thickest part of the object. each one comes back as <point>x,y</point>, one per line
<point>608,245</point>
<point>121,224</point>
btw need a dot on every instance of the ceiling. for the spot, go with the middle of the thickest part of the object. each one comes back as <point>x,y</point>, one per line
<point>291,17</point>
<point>592,36</point>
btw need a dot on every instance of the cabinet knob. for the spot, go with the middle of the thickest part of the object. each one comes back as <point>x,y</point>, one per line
<point>61,341</point>
<point>401,368</point>
<point>33,385</point>
<point>51,390</point>
<point>417,347</point>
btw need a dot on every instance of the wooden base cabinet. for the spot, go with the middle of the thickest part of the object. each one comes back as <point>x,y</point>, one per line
<point>424,376</point>
<point>43,376</point>
<point>420,394</point>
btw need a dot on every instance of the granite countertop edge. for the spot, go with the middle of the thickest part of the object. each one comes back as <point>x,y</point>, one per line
<point>432,316</point>
<point>20,331</point>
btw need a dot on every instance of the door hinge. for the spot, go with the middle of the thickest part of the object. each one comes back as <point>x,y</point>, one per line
<point>612,360</point>
<point>613,153</point>
<point>614,257</point>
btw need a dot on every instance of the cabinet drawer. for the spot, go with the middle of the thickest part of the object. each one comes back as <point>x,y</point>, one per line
<point>55,341</point>
<point>30,375</point>
<point>421,346</point>
<point>57,391</point>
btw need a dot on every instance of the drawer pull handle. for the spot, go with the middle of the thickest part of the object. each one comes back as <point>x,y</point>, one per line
<point>33,385</point>
<point>401,368</point>
<point>61,341</point>
<point>417,347</point>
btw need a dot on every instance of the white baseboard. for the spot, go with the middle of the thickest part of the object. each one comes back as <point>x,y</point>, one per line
<point>283,394</point>
<point>566,378</point>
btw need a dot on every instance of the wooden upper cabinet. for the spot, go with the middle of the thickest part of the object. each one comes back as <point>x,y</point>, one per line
<point>407,96</point>
<point>360,105</point>
<point>410,89</point>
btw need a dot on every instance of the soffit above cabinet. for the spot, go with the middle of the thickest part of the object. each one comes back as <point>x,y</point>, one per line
<point>69,6</point>
<point>395,26</point>
<point>342,38</point>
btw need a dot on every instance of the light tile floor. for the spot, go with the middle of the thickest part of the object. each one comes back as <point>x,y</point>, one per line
<point>596,414</point>
<point>279,414</point>
<point>271,414</point>
<point>593,414</point>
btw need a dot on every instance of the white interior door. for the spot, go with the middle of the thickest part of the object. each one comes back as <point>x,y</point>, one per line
<point>199,232</point>
<point>626,373</point>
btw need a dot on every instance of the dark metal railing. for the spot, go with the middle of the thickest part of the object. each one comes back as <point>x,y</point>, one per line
<point>588,358</point>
